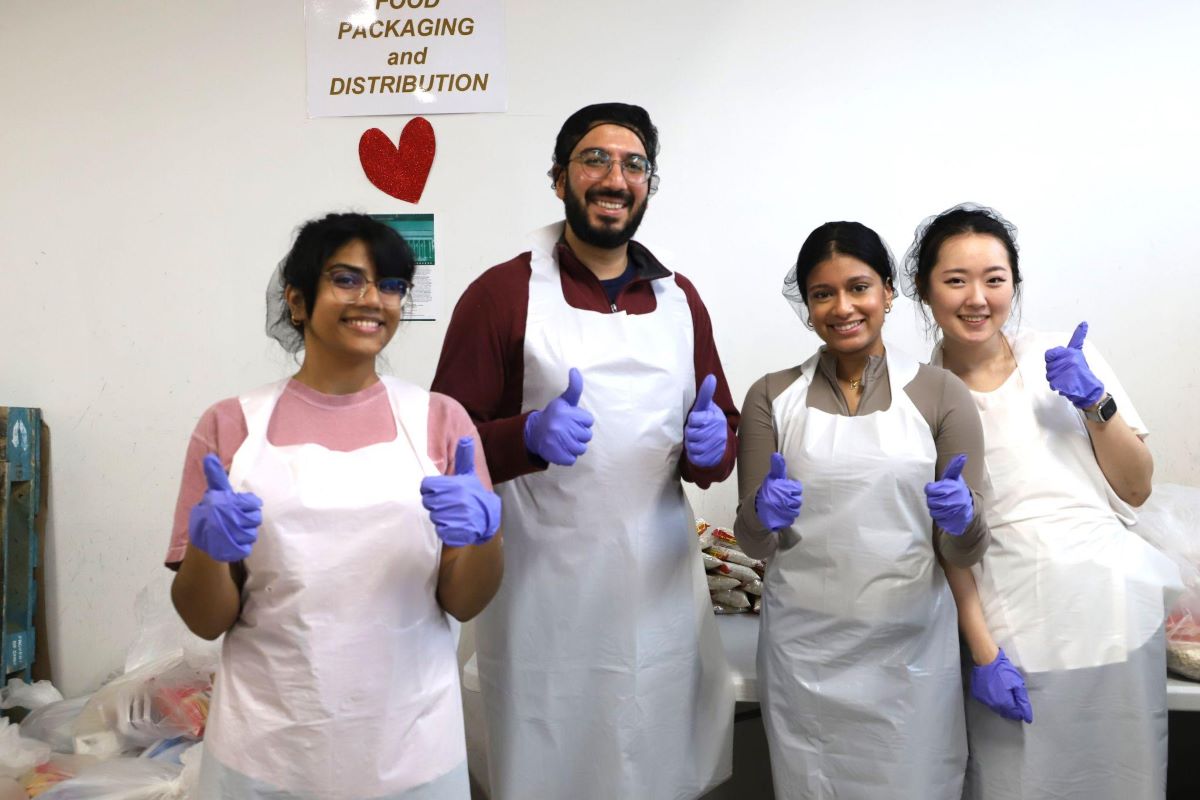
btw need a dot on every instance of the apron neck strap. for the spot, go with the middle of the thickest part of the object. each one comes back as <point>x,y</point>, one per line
<point>543,240</point>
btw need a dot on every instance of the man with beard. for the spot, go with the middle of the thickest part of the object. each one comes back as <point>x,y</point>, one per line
<point>600,664</point>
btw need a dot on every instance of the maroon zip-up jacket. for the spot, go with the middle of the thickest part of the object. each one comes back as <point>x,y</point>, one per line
<point>482,364</point>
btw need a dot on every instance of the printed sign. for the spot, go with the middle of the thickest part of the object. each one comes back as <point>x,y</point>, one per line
<point>417,230</point>
<point>405,57</point>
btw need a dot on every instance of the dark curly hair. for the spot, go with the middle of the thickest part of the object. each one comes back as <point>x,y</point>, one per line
<point>316,241</point>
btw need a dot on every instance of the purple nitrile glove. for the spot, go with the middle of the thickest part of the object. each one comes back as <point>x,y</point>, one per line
<point>777,502</point>
<point>949,499</point>
<point>1000,687</point>
<point>706,434</point>
<point>1068,373</point>
<point>463,511</point>
<point>224,524</point>
<point>559,433</point>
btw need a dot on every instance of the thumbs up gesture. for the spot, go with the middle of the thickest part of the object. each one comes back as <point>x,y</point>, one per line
<point>777,502</point>
<point>462,510</point>
<point>706,433</point>
<point>1068,373</point>
<point>224,524</point>
<point>559,433</point>
<point>949,499</point>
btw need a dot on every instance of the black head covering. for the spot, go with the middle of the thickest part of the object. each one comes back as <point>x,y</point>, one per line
<point>628,116</point>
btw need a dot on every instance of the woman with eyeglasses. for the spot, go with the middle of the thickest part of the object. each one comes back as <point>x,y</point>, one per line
<point>856,470</point>
<point>1070,593</point>
<point>327,524</point>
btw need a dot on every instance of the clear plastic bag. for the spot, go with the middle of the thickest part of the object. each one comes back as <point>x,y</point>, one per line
<point>731,556</point>
<point>1170,521</point>
<point>54,723</point>
<point>59,768</point>
<point>717,583</point>
<point>725,538</point>
<point>189,777</point>
<point>161,633</point>
<point>741,573</point>
<point>159,700</point>
<point>733,598</point>
<point>171,750</point>
<point>19,754</point>
<point>164,691</point>
<point>19,694</point>
<point>122,779</point>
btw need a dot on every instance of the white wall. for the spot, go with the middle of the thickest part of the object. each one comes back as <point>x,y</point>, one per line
<point>155,158</point>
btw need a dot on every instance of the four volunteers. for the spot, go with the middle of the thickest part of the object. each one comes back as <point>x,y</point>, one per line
<point>330,524</point>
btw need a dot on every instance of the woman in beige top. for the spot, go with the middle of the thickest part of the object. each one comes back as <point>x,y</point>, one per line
<point>838,468</point>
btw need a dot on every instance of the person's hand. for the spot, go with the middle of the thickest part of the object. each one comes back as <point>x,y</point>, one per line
<point>559,433</point>
<point>777,502</point>
<point>949,499</point>
<point>1000,687</point>
<point>706,434</point>
<point>224,524</point>
<point>1068,373</point>
<point>462,510</point>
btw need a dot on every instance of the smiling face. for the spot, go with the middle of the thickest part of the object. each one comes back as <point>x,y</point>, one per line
<point>970,292</point>
<point>846,305</point>
<point>604,212</point>
<point>340,330</point>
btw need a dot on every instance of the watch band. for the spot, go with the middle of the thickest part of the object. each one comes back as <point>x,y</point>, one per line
<point>1103,411</point>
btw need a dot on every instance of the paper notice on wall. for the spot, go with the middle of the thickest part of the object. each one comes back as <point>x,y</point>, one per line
<point>417,230</point>
<point>405,57</point>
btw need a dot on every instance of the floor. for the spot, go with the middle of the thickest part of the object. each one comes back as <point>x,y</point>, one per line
<point>751,765</point>
<point>1183,756</point>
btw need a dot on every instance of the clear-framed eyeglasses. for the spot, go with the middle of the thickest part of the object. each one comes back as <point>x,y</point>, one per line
<point>350,286</point>
<point>597,163</point>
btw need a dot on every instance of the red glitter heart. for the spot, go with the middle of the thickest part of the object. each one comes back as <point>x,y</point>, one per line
<point>399,170</point>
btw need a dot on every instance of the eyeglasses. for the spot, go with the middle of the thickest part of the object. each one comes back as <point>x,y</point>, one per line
<point>350,286</point>
<point>597,163</point>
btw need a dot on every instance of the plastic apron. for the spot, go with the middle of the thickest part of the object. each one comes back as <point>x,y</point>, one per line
<point>600,663</point>
<point>340,678</point>
<point>858,658</point>
<point>1077,602</point>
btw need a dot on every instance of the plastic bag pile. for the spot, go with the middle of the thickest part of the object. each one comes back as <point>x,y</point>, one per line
<point>734,578</point>
<point>1170,520</point>
<point>137,738</point>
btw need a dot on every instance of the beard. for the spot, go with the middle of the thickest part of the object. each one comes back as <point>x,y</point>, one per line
<point>607,236</point>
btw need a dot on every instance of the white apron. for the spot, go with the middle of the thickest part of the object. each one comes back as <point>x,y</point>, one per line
<point>599,659</point>
<point>339,679</point>
<point>858,658</point>
<point>1075,599</point>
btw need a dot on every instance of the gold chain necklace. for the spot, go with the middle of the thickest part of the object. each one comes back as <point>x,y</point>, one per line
<point>856,383</point>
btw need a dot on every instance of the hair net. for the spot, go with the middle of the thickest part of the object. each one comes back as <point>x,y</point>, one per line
<point>279,316</point>
<point>791,293</point>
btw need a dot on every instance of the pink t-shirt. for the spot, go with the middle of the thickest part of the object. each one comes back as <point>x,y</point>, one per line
<point>305,416</point>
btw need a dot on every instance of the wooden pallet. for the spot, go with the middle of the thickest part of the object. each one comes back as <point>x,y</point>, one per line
<point>20,501</point>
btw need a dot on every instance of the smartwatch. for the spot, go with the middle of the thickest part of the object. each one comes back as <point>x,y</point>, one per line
<point>1103,411</point>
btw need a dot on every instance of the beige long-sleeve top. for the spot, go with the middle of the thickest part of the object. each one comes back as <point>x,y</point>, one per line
<point>942,399</point>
